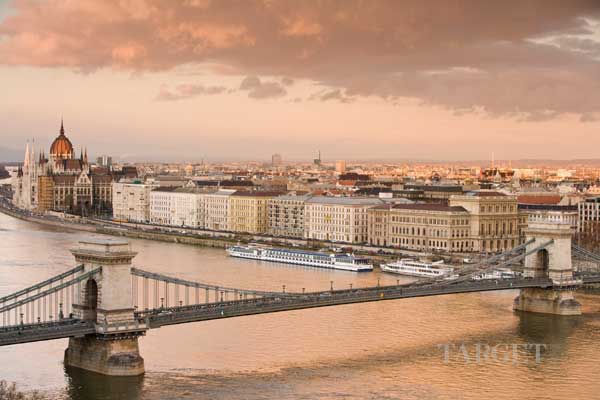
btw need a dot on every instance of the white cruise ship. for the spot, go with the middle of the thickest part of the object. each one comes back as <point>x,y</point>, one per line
<point>411,267</point>
<point>343,261</point>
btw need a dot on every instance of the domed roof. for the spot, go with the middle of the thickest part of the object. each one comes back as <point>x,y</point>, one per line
<point>61,147</point>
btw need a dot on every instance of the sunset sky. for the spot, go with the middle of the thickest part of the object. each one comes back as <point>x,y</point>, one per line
<point>359,80</point>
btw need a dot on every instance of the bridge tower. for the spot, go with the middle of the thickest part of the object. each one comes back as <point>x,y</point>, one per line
<point>553,262</point>
<point>106,300</point>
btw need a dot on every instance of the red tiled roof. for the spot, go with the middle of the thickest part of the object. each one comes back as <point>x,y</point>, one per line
<point>347,183</point>
<point>543,199</point>
<point>488,194</point>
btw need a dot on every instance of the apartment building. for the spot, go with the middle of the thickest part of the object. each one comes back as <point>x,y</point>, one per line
<point>131,200</point>
<point>177,206</point>
<point>338,219</point>
<point>248,211</point>
<point>286,216</point>
<point>589,215</point>
<point>216,210</point>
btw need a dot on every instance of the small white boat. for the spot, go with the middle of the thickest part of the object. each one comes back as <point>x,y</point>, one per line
<point>500,273</point>
<point>411,267</point>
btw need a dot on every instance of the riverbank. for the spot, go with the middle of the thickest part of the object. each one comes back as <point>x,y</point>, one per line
<point>205,238</point>
<point>96,227</point>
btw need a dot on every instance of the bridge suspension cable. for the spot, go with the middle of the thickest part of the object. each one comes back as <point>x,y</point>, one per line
<point>37,286</point>
<point>585,253</point>
<point>485,265</point>
<point>51,300</point>
<point>471,274</point>
<point>151,290</point>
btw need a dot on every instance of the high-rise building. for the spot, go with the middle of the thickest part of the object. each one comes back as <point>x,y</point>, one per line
<point>104,161</point>
<point>340,166</point>
<point>276,160</point>
<point>317,161</point>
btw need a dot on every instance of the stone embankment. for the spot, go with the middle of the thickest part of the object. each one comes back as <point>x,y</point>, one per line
<point>205,238</point>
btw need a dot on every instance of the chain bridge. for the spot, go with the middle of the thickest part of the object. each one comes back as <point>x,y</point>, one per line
<point>104,305</point>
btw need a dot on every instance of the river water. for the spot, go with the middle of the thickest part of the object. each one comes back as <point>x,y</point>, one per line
<point>406,349</point>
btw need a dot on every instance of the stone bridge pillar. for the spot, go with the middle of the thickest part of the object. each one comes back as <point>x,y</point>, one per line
<point>106,300</point>
<point>553,262</point>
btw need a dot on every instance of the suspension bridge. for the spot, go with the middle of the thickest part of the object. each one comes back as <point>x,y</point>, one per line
<point>104,305</point>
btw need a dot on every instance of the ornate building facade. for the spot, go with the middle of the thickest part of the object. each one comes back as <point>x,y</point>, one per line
<point>61,182</point>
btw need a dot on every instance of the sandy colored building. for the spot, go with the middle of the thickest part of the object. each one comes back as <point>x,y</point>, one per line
<point>131,201</point>
<point>248,211</point>
<point>338,219</point>
<point>422,227</point>
<point>216,210</point>
<point>494,219</point>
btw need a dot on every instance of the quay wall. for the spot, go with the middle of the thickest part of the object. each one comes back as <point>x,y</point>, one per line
<point>211,238</point>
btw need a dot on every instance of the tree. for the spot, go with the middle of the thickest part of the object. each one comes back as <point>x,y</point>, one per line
<point>8,391</point>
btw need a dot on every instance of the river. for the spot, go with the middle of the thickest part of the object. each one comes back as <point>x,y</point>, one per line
<point>382,350</point>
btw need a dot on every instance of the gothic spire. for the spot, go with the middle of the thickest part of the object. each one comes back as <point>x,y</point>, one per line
<point>27,156</point>
<point>62,128</point>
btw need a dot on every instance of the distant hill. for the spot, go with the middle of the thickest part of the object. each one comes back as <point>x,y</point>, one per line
<point>10,155</point>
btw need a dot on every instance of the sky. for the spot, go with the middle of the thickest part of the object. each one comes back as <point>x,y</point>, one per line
<point>359,80</point>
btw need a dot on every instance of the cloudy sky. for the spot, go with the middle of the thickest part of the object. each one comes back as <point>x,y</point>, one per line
<point>219,80</point>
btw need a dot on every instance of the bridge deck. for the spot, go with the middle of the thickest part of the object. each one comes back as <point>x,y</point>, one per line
<point>156,318</point>
<point>205,312</point>
<point>45,331</point>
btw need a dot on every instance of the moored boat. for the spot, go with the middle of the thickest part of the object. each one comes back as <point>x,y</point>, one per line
<point>341,261</point>
<point>412,267</point>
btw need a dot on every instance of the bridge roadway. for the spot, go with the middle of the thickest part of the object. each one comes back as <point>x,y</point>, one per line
<point>294,301</point>
<point>156,318</point>
<point>26,333</point>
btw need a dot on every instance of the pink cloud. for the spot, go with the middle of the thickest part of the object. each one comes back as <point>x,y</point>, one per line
<point>385,48</point>
<point>186,91</point>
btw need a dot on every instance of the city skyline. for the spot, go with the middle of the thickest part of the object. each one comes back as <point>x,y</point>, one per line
<point>360,81</point>
<point>299,199</point>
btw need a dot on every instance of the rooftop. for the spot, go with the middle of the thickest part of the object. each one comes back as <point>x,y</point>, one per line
<point>350,201</point>
<point>539,199</point>
<point>548,207</point>
<point>434,188</point>
<point>486,193</point>
<point>257,194</point>
<point>429,207</point>
<point>294,197</point>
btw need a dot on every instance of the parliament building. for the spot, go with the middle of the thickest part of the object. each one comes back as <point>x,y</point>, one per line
<point>60,181</point>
